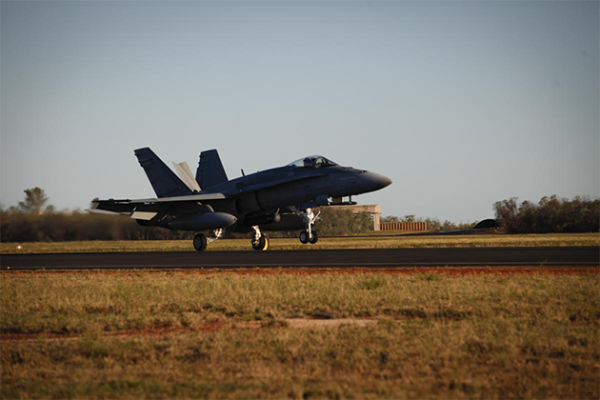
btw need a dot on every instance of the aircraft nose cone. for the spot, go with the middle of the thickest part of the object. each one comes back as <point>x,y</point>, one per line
<point>371,181</point>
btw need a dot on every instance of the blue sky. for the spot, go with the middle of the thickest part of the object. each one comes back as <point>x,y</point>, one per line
<point>460,103</point>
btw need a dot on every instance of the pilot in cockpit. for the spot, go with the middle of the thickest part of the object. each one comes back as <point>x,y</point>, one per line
<point>309,162</point>
<point>313,162</point>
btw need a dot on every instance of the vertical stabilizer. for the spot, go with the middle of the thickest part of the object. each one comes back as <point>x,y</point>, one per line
<point>184,172</point>
<point>164,182</point>
<point>210,170</point>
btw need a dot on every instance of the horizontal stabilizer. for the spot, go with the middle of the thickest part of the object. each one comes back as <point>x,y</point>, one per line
<point>106,212</point>
<point>184,172</point>
<point>143,215</point>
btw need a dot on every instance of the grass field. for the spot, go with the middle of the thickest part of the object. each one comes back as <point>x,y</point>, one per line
<point>355,242</point>
<point>434,333</point>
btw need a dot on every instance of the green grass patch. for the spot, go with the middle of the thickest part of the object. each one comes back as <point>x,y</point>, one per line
<point>170,334</point>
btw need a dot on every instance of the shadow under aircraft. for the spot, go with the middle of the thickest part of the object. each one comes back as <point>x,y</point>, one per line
<point>278,199</point>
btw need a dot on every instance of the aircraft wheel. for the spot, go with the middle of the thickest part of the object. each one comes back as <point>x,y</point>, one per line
<point>304,237</point>
<point>200,242</point>
<point>315,238</point>
<point>261,245</point>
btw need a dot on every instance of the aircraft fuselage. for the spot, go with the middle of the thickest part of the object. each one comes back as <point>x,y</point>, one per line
<point>276,199</point>
<point>312,186</point>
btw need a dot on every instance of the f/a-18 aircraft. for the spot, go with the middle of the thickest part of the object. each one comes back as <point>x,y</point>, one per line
<point>278,199</point>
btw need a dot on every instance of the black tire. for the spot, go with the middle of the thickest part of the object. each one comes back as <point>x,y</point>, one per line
<point>261,245</point>
<point>303,237</point>
<point>315,238</point>
<point>200,242</point>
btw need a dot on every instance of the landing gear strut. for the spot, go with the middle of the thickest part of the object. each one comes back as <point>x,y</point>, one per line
<point>259,241</point>
<point>309,235</point>
<point>218,233</point>
<point>201,241</point>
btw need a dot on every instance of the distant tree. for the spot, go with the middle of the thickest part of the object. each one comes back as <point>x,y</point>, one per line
<point>335,221</point>
<point>35,200</point>
<point>432,223</point>
<point>409,218</point>
<point>550,215</point>
<point>406,218</point>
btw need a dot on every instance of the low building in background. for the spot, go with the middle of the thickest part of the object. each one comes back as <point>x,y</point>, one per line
<point>403,226</point>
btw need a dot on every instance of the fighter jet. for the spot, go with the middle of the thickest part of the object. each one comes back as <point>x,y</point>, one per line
<point>278,199</point>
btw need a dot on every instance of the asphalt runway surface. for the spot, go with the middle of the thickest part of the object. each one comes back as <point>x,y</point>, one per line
<point>364,258</point>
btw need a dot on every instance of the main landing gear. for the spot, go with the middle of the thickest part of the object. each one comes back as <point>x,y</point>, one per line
<point>201,241</point>
<point>259,241</point>
<point>309,235</point>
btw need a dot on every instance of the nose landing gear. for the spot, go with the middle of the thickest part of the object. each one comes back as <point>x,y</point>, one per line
<point>309,235</point>
<point>305,238</point>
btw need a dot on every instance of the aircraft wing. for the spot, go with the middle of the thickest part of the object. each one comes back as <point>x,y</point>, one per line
<point>193,198</point>
<point>146,209</point>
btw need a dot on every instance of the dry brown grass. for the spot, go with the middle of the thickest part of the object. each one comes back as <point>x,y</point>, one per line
<point>431,334</point>
<point>356,242</point>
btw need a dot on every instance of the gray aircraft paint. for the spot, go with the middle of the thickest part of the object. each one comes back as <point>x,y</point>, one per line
<point>276,199</point>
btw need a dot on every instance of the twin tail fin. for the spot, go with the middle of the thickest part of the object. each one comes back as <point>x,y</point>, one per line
<point>164,182</point>
<point>210,170</point>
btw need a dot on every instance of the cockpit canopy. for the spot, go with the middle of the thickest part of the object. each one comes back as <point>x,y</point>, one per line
<point>313,162</point>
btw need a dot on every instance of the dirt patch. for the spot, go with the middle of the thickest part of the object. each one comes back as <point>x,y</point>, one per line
<point>150,331</point>
<point>327,323</point>
<point>157,331</point>
<point>37,336</point>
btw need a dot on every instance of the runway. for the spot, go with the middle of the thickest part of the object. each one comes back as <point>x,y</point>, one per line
<point>365,258</point>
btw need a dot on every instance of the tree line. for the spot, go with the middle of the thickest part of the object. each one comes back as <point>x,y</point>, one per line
<point>550,215</point>
<point>35,220</point>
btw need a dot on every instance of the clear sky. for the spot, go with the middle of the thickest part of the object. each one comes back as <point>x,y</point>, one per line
<point>461,104</point>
